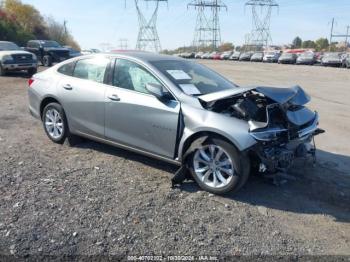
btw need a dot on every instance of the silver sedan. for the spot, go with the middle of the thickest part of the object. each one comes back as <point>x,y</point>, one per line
<point>177,111</point>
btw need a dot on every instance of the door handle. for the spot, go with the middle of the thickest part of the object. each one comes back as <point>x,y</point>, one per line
<point>114,97</point>
<point>68,87</point>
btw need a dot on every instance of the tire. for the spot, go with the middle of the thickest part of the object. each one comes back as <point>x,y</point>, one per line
<point>2,71</point>
<point>47,61</point>
<point>49,118</point>
<point>32,71</point>
<point>236,161</point>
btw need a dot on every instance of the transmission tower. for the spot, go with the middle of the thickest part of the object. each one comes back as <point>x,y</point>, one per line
<point>148,38</point>
<point>123,44</point>
<point>261,12</point>
<point>207,31</point>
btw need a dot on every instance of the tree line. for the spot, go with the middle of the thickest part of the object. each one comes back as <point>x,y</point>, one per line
<point>20,23</point>
<point>321,44</point>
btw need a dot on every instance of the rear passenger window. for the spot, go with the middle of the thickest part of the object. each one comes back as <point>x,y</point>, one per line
<point>67,69</point>
<point>93,69</point>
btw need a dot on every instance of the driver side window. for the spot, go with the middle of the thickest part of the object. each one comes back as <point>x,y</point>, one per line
<point>129,75</point>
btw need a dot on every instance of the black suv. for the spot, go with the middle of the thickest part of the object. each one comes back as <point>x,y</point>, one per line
<point>48,51</point>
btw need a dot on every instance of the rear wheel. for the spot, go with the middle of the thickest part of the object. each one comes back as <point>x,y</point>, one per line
<point>2,71</point>
<point>218,167</point>
<point>47,61</point>
<point>55,123</point>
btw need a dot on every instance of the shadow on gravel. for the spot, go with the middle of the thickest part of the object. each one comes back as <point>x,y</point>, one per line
<point>107,149</point>
<point>17,74</point>
<point>323,189</point>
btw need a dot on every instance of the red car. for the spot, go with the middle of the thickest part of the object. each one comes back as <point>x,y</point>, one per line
<point>217,56</point>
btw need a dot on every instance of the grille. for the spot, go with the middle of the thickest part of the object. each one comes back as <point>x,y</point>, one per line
<point>22,58</point>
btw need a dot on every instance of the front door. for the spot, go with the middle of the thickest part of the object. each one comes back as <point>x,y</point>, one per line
<point>136,118</point>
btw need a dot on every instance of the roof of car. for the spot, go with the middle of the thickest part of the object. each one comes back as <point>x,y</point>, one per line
<point>145,56</point>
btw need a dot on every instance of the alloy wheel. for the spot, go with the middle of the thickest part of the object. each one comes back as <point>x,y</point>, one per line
<point>54,123</point>
<point>213,166</point>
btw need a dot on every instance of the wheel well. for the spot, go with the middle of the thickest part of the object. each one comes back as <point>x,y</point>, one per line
<point>45,102</point>
<point>195,136</point>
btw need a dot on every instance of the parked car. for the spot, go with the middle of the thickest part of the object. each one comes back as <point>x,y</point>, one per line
<point>226,55</point>
<point>191,116</point>
<point>206,55</point>
<point>245,56</point>
<point>216,56</point>
<point>332,59</point>
<point>48,51</point>
<point>235,56</point>
<point>199,55</point>
<point>257,57</point>
<point>307,58</point>
<point>271,57</point>
<point>93,51</point>
<point>212,54</point>
<point>346,61</point>
<point>188,55</point>
<point>287,58</point>
<point>13,58</point>
<point>73,52</point>
<point>319,56</point>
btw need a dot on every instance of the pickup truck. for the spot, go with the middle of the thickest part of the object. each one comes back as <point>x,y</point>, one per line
<point>13,58</point>
<point>48,51</point>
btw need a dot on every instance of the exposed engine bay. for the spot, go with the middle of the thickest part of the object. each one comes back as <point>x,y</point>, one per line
<point>278,120</point>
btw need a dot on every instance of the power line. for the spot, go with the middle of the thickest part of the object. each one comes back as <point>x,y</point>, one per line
<point>207,31</point>
<point>261,15</point>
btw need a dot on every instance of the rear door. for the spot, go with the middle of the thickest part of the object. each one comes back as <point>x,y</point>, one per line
<point>136,118</point>
<point>83,95</point>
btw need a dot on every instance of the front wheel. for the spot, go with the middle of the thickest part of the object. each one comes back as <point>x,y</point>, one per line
<point>218,167</point>
<point>47,61</point>
<point>32,71</point>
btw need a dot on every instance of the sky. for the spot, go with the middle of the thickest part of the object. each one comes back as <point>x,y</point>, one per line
<point>93,22</point>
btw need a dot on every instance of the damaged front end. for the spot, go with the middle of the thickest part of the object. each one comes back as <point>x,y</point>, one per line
<point>278,120</point>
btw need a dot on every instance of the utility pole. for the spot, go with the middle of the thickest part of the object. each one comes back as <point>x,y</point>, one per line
<point>207,31</point>
<point>65,27</point>
<point>331,37</point>
<point>346,36</point>
<point>261,14</point>
<point>148,38</point>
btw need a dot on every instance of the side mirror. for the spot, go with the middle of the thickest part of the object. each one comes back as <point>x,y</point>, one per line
<point>156,90</point>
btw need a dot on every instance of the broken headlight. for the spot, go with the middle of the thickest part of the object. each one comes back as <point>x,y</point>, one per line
<point>268,134</point>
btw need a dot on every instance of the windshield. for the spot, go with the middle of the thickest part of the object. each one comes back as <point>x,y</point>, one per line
<point>193,78</point>
<point>8,46</point>
<point>334,55</point>
<point>50,44</point>
<point>258,55</point>
<point>308,55</point>
<point>287,55</point>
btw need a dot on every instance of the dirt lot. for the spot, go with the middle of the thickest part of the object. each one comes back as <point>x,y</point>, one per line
<point>95,199</point>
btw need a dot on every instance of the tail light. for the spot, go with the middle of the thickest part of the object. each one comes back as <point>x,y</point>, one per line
<point>30,81</point>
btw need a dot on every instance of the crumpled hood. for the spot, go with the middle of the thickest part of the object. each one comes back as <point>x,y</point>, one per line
<point>294,95</point>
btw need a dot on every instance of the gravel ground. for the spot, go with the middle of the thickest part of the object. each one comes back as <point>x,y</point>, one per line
<point>93,199</point>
